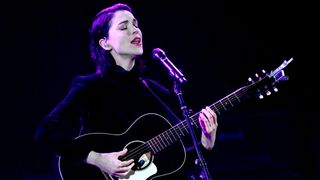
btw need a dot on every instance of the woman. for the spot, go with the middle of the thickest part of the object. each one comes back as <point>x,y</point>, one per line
<point>112,102</point>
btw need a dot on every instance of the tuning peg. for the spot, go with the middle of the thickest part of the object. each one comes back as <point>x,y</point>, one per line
<point>261,96</point>
<point>275,89</point>
<point>268,93</point>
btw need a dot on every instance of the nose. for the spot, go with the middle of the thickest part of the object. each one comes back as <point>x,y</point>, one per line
<point>134,30</point>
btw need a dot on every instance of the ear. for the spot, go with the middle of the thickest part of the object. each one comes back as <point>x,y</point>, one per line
<point>105,44</point>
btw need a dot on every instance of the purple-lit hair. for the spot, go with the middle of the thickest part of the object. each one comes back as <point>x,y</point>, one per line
<point>100,29</point>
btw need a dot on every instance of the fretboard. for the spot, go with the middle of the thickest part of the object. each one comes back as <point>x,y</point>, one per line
<point>178,131</point>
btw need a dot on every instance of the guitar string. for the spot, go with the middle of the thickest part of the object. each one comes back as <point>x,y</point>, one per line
<point>144,147</point>
<point>136,152</point>
<point>155,141</point>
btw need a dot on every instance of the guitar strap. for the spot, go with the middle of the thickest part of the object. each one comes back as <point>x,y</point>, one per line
<point>172,115</point>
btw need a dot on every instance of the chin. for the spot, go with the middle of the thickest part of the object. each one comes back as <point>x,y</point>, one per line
<point>139,51</point>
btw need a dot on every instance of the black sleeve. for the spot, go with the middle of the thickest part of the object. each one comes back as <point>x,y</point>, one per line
<point>59,128</point>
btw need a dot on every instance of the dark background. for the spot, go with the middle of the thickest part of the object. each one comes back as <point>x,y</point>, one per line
<point>217,45</point>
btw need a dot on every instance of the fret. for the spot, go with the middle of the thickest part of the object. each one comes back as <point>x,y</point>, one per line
<point>150,147</point>
<point>164,139</point>
<point>154,144</point>
<point>226,103</point>
<point>175,131</point>
<point>159,142</point>
<point>222,105</point>
<point>168,137</point>
<point>185,126</point>
<point>171,133</point>
<point>237,97</point>
<point>195,122</point>
<point>180,130</point>
<point>216,109</point>
<point>229,101</point>
<point>158,145</point>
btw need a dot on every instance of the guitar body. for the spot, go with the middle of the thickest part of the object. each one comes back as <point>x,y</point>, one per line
<point>156,166</point>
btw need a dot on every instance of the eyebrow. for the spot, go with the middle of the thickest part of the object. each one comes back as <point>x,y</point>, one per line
<point>126,21</point>
<point>123,22</point>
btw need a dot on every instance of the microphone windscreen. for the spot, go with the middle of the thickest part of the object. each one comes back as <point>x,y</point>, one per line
<point>158,53</point>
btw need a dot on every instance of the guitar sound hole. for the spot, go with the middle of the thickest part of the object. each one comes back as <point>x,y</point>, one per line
<point>141,155</point>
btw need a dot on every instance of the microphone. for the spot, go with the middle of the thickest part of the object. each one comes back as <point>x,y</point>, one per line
<point>159,54</point>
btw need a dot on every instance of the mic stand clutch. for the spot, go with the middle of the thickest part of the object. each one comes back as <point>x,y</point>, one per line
<point>178,91</point>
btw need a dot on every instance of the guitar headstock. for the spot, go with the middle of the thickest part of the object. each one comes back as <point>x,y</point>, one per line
<point>265,83</point>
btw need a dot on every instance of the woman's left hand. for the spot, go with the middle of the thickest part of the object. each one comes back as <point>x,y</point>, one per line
<point>209,124</point>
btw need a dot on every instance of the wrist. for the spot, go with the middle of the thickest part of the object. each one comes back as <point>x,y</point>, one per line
<point>92,157</point>
<point>207,141</point>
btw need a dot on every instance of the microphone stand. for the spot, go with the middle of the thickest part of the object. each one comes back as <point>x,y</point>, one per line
<point>203,164</point>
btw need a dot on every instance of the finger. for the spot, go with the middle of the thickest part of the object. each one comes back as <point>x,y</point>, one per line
<point>213,115</point>
<point>215,120</point>
<point>123,152</point>
<point>204,122</point>
<point>124,170</point>
<point>201,121</point>
<point>126,163</point>
<point>123,173</point>
<point>208,116</point>
<point>210,111</point>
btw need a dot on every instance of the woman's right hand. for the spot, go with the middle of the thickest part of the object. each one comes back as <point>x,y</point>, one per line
<point>110,163</point>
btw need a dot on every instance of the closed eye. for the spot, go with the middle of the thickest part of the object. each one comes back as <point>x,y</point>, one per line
<point>135,23</point>
<point>124,24</point>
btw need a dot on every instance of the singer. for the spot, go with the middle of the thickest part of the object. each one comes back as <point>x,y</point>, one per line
<point>112,123</point>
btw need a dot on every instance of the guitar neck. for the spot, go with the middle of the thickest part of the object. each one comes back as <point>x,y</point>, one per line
<point>178,131</point>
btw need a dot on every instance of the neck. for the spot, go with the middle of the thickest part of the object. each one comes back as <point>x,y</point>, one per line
<point>127,65</point>
<point>126,62</point>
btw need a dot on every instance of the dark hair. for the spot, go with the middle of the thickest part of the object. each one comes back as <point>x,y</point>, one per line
<point>100,29</point>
